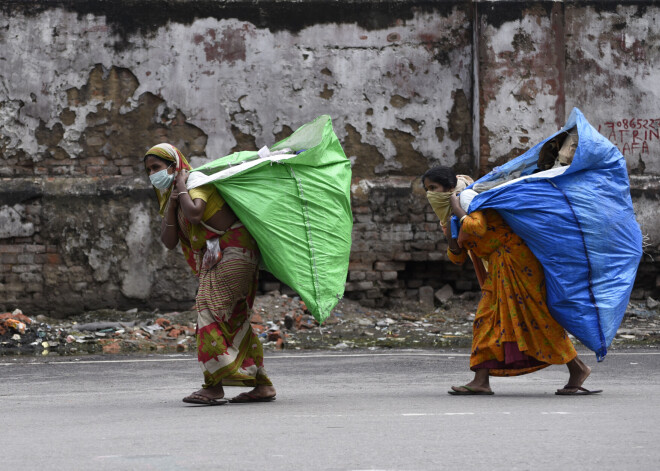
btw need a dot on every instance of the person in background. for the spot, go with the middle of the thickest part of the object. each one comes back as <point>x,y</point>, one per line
<point>225,258</point>
<point>513,331</point>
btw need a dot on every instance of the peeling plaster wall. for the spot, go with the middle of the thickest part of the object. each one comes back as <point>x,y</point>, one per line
<point>137,270</point>
<point>241,86</point>
<point>521,79</point>
<point>84,91</point>
<point>86,88</point>
<point>538,60</point>
<point>612,74</point>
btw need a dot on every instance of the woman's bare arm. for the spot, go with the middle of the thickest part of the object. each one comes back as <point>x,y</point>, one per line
<point>458,211</point>
<point>169,224</point>
<point>193,209</point>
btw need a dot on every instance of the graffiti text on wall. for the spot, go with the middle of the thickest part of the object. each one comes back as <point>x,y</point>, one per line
<point>631,135</point>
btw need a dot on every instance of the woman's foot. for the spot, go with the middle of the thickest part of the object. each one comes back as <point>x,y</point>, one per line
<point>480,385</point>
<point>260,393</point>
<point>211,396</point>
<point>470,391</point>
<point>579,372</point>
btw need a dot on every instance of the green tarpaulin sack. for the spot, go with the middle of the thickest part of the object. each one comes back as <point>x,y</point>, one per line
<point>294,198</point>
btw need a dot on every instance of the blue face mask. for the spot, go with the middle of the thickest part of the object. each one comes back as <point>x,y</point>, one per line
<point>161,179</point>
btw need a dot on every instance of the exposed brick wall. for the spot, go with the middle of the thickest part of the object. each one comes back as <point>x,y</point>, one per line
<point>74,255</point>
<point>397,243</point>
<point>408,84</point>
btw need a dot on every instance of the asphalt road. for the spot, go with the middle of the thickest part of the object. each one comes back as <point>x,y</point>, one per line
<point>334,411</point>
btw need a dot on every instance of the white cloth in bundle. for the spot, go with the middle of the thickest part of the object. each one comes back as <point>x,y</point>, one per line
<point>465,198</point>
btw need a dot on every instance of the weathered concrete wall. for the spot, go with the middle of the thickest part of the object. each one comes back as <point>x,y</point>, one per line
<point>519,76</point>
<point>538,60</point>
<point>216,85</point>
<point>85,89</point>
<point>612,74</point>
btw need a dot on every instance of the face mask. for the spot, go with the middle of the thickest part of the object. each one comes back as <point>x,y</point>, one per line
<point>161,179</point>
<point>440,203</point>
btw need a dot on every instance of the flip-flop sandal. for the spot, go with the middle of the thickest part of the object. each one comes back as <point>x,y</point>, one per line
<point>203,400</point>
<point>579,391</point>
<point>469,392</point>
<point>244,398</point>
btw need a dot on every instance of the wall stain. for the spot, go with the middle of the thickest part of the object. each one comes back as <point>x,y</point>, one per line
<point>126,19</point>
<point>498,13</point>
<point>460,130</point>
<point>243,141</point>
<point>49,137</point>
<point>523,42</point>
<point>414,125</point>
<point>640,168</point>
<point>111,137</point>
<point>67,117</point>
<point>327,92</point>
<point>412,162</point>
<point>231,47</point>
<point>398,101</point>
<point>440,133</point>
<point>442,45</point>
<point>284,133</point>
<point>367,156</point>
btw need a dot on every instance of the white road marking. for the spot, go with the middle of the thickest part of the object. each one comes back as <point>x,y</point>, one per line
<point>436,415</point>
<point>286,357</point>
<point>268,358</point>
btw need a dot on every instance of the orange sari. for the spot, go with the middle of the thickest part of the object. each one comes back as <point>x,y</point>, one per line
<point>513,331</point>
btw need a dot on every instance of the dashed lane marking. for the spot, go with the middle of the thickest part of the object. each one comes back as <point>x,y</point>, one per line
<point>285,357</point>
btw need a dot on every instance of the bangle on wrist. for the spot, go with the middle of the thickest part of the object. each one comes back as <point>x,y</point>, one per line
<point>182,193</point>
<point>461,220</point>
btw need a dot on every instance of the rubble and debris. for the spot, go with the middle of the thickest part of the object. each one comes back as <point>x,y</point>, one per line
<point>15,321</point>
<point>444,294</point>
<point>281,322</point>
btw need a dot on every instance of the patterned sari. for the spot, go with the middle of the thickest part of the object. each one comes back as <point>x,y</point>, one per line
<point>228,351</point>
<point>513,331</point>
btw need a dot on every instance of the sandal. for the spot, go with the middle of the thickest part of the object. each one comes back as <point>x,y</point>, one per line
<point>196,398</point>
<point>246,397</point>
<point>469,392</point>
<point>576,391</point>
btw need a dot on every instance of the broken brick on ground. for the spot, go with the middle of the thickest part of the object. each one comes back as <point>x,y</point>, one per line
<point>281,322</point>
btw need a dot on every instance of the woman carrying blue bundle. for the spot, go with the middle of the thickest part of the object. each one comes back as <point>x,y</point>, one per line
<point>513,331</point>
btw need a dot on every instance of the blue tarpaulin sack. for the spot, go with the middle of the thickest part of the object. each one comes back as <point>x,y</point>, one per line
<point>580,225</point>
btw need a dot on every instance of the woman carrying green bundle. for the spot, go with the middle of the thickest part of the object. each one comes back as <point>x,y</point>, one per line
<point>224,256</point>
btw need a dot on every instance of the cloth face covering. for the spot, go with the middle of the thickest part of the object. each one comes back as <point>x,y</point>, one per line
<point>439,200</point>
<point>161,179</point>
<point>171,154</point>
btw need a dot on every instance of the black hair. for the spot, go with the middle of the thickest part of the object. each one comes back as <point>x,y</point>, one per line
<point>441,175</point>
